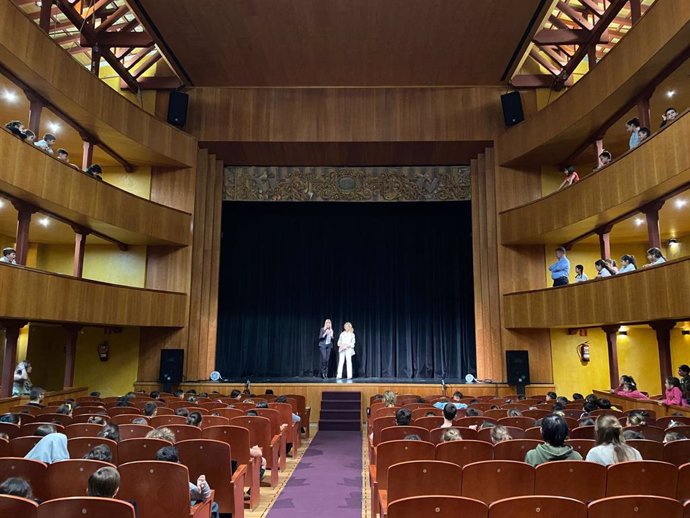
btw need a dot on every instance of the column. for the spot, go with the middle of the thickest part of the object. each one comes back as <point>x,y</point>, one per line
<point>604,234</point>
<point>95,60</point>
<point>663,340</point>
<point>612,345</point>
<point>651,212</point>
<point>9,362</point>
<point>35,110</point>
<point>644,112</point>
<point>598,148</point>
<point>635,11</point>
<point>87,154</point>
<point>79,249</point>
<point>23,222</point>
<point>44,17</point>
<point>72,335</point>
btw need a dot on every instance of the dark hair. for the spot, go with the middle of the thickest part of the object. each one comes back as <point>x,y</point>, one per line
<point>632,435</point>
<point>150,408</point>
<point>269,391</point>
<point>49,136</point>
<point>252,413</point>
<point>562,400</point>
<point>35,393</point>
<point>413,437</point>
<point>110,431</point>
<point>673,436</point>
<point>64,409</point>
<point>669,109</point>
<point>579,267</point>
<point>403,417</point>
<point>182,411</point>
<point>45,429</point>
<point>10,418</point>
<point>62,151</point>
<point>167,454</point>
<point>140,420</point>
<point>449,411</point>
<point>281,399</point>
<point>585,421</point>
<point>554,430</point>
<point>601,263</point>
<point>673,381</point>
<point>95,394</point>
<point>472,412</point>
<point>104,483</point>
<point>605,154</point>
<point>179,392</point>
<point>194,419</point>
<point>604,404</point>
<point>645,129</point>
<point>560,249</point>
<point>630,259</point>
<point>262,404</point>
<point>100,452</point>
<point>457,394</point>
<point>577,396</point>
<point>684,368</point>
<point>155,394</point>
<point>633,122</point>
<point>235,393</point>
<point>552,395</point>
<point>569,169</point>
<point>655,253</point>
<point>590,406</point>
<point>16,486</point>
<point>97,419</point>
<point>558,407</point>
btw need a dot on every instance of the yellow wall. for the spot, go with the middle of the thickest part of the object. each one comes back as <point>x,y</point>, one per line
<point>46,352</point>
<point>115,376</point>
<point>146,99</point>
<point>101,263</point>
<point>569,374</point>
<point>137,182</point>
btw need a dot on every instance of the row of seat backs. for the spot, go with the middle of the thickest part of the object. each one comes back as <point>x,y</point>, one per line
<point>86,507</point>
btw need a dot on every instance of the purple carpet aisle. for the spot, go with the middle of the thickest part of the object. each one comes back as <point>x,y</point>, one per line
<point>327,481</point>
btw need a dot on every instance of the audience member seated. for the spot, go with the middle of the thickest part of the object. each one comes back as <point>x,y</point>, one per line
<point>46,143</point>
<point>45,430</point>
<point>632,435</point>
<point>571,177</point>
<point>561,268</point>
<point>636,419</point>
<point>629,264</point>
<point>580,275</point>
<point>15,486</point>
<point>457,396</point>
<point>388,399</point>
<point>97,419</point>
<point>602,269</point>
<point>604,404</point>
<point>403,417</point>
<point>64,409</point>
<point>669,116</point>
<point>674,394</point>
<point>684,376</point>
<point>9,255</point>
<point>673,436</point>
<point>613,266</point>
<point>449,413</point>
<point>611,447</point>
<point>95,171</point>
<point>644,134</point>
<point>10,418</point>
<point>36,396</point>
<point>197,493</point>
<point>110,431</point>
<point>150,409</point>
<point>22,383</point>
<point>633,127</point>
<point>101,452</point>
<point>16,128</point>
<point>499,433</point>
<point>194,419</point>
<point>182,412</point>
<point>554,431</point>
<point>155,394</point>
<point>655,256</point>
<point>140,420</point>
<point>162,433</point>
<point>104,483</point>
<point>284,399</point>
<point>52,448</point>
<point>30,137</point>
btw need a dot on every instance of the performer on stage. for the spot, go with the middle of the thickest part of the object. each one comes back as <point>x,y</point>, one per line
<point>346,350</point>
<point>325,346</point>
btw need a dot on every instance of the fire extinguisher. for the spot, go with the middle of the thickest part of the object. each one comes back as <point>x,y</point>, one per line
<point>583,352</point>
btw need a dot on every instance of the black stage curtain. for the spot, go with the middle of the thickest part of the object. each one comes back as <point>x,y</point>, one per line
<point>400,272</point>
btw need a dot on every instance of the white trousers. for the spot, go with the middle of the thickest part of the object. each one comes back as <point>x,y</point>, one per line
<point>343,357</point>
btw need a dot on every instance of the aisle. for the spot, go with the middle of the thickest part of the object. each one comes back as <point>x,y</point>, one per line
<point>327,481</point>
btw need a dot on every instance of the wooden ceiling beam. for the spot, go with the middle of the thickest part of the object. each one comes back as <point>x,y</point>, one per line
<point>110,20</point>
<point>534,54</point>
<point>566,37</point>
<point>535,81</point>
<point>117,39</point>
<point>592,6</point>
<point>574,15</point>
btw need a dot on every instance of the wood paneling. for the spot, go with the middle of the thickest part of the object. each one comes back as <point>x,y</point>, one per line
<point>645,295</point>
<point>625,404</point>
<point>51,397</point>
<point>44,181</point>
<point>39,296</point>
<point>656,168</point>
<point>312,391</point>
<point>340,43</point>
<point>39,62</point>
<point>554,133</point>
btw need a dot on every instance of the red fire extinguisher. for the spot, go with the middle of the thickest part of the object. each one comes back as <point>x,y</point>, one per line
<point>583,352</point>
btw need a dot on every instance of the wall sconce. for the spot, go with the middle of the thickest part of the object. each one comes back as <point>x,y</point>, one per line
<point>685,332</point>
<point>622,333</point>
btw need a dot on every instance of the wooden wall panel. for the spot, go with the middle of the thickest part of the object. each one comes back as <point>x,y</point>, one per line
<point>51,71</point>
<point>659,166</point>
<point>554,133</point>
<point>644,295</point>
<point>44,181</point>
<point>60,298</point>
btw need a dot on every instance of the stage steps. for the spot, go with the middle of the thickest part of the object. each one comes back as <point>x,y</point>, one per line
<point>340,411</point>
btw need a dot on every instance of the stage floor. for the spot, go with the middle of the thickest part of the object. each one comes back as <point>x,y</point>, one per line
<point>374,381</point>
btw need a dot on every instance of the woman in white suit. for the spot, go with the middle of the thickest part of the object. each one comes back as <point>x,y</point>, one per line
<point>346,350</point>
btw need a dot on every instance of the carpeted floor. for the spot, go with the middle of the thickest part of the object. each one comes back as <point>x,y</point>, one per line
<point>327,481</point>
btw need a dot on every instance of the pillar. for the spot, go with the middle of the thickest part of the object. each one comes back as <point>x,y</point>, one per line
<point>10,357</point>
<point>635,11</point>
<point>604,234</point>
<point>35,110</point>
<point>44,17</point>
<point>79,249</point>
<point>644,112</point>
<point>24,212</point>
<point>612,345</point>
<point>72,335</point>
<point>87,154</point>
<point>95,60</point>
<point>663,340</point>
<point>651,212</point>
<point>598,148</point>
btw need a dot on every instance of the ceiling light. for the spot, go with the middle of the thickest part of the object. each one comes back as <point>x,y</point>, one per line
<point>39,3</point>
<point>673,242</point>
<point>44,221</point>
<point>670,93</point>
<point>2,204</point>
<point>681,203</point>
<point>639,221</point>
<point>623,333</point>
<point>54,127</point>
<point>10,96</point>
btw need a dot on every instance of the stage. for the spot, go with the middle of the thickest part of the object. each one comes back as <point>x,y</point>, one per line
<point>311,388</point>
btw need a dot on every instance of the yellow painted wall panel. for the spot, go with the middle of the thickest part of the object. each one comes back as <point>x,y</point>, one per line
<point>569,374</point>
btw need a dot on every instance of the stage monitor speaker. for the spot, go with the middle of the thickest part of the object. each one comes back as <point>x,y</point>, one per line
<point>172,361</point>
<point>517,363</point>
<point>177,108</point>
<point>512,108</point>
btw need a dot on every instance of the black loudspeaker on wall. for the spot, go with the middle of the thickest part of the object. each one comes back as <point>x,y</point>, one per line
<point>517,363</point>
<point>177,108</point>
<point>172,361</point>
<point>512,108</point>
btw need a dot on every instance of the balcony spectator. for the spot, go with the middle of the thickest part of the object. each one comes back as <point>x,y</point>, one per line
<point>46,143</point>
<point>22,383</point>
<point>95,171</point>
<point>16,128</point>
<point>674,394</point>
<point>561,268</point>
<point>613,266</point>
<point>655,256</point>
<point>684,376</point>
<point>629,264</point>
<point>571,177</point>
<point>644,134</point>
<point>9,255</point>
<point>669,116</point>
<point>633,127</point>
<point>602,269</point>
<point>604,159</point>
<point>62,155</point>
<point>580,275</point>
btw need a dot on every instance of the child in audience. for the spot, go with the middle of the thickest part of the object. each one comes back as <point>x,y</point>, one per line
<point>674,394</point>
<point>52,448</point>
<point>611,447</point>
<point>104,483</point>
<point>613,266</point>
<point>655,256</point>
<point>16,128</point>
<point>629,264</point>
<point>669,116</point>
<point>632,435</point>
<point>630,390</point>
<point>140,420</point>
<point>644,134</point>
<point>197,493</point>
<point>602,269</point>
<point>64,409</point>
<point>16,486</point>
<point>62,155</point>
<point>673,436</point>
<point>46,143</point>
<point>29,137</point>
<point>101,452</point>
<point>633,127</point>
<point>452,434</point>
<point>11,419</point>
<point>580,274</point>
<point>97,419</point>
<point>194,419</point>
<point>110,431</point>
<point>389,398</point>
<point>150,409</point>
<point>684,377</point>
<point>605,158</point>
<point>551,397</point>
<point>44,430</point>
<point>162,433</point>
<point>554,431</point>
<point>449,413</point>
<point>182,411</point>
<point>571,177</point>
<point>499,433</point>
<point>636,419</point>
<point>95,171</point>
<point>403,417</point>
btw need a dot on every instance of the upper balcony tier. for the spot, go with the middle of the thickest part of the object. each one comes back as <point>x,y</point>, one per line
<point>36,178</point>
<point>644,295</point>
<point>658,42</point>
<point>656,168</point>
<point>32,57</point>
<point>37,296</point>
